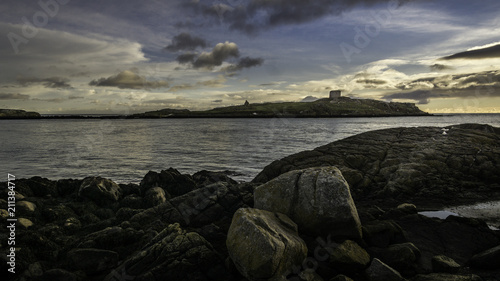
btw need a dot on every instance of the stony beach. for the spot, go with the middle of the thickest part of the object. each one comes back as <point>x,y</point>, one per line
<point>345,211</point>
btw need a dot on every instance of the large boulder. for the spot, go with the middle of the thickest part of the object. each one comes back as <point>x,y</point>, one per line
<point>100,190</point>
<point>446,277</point>
<point>409,164</point>
<point>317,199</point>
<point>442,263</point>
<point>264,245</point>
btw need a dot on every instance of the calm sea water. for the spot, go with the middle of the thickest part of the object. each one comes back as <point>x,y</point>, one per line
<point>125,150</point>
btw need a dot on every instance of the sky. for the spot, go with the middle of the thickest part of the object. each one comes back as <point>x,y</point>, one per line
<point>124,57</point>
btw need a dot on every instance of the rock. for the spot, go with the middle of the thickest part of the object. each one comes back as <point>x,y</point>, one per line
<point>173,254</point>
<point>26,207</point>
<point>100,190</point>
<point>489,259</point>
<point>442,263</point>
<point>123,241</point>
<point>341,277</point>
<point>379,271</point>
<point>18,113</point>
<point>173,182</point>
<point>154,197</point>
<point>309,275</point>
<point>383,233</point>
<point>67,187</point>
<point>51,213</point>
<point>72,224</point>
<point>409,164</point>
<point>204,178</point>
<point>264,245</point>
<point>446,277</point>
<point>59,274</point>
<point>317,199</point>
<point>349,257</point>
<point>124,214</point>
<point>132,201</point>
<point>24,223</point>
<point>38,186</point>
<point>402,257</point>
<point>92,261</point>
<point>402,210</point>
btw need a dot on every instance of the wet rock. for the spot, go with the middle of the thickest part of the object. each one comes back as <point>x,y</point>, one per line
<point>68,187</point>
<point>317,199</point>
<point>446,277</point>
<point>154,197</point>
<point>72,224</point>
<point>123,241</point>
<point>379,271</point>
<point>264,245</point>
<point>349,257</point>
<point>173,254</point>
<point>383,233</point>
<point>92,261</point>
<point>489,259</point>
<point>132,201</point>
<point>171,180</point>
<point>36,186</point>
<point>100,190</point>
<point>442,263</point>
<point>409,164</point>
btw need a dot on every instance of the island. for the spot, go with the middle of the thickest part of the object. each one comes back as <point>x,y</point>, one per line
<point>17,114</point>
<point>333,106</point>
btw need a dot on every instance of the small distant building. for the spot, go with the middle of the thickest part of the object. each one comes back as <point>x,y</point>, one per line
<point>246,103</point>
<point>335,94</point>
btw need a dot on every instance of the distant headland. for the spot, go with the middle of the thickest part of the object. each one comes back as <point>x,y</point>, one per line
<point>333,106</point>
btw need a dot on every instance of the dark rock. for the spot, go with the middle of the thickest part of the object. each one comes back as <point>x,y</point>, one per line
<point>92,261</point>
<point>56,213</point>
<point>154,197</point>
<point>458,239</point>
<point>67,187</point>
<point>264,245</point>
<point>204,178</point>
<point>36,186</point>
<point>132,201</point>
<point>444,264</point>
<point>383,233</point>
<point>341,277</point>
<point>410,164</point>
<point>173,254</point>
<point>58,274</point>
<point>171,180</point>
<point>124,214</point>
<point>129,189</point>
<point>402,257</point>
<point>379,271</point>
<point>489,259</point>
<point>100,190</point>
<point>446,277</point>
<point>349,257</point>
<point>123,241</point>
<point>310,275</point>
<point>317,199</point>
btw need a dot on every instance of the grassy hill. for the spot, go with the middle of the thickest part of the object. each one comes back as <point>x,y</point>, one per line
<point>339,107</point>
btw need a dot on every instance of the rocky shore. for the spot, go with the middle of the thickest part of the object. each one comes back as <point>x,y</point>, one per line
<point>345,211</point>
<point>18,114</point>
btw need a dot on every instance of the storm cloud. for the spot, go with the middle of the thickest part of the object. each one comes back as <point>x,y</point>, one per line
<point>128,80</point>
<point>185,41</point>
<point>252,16</point>
<point>483,53</point>
<point>217,56</point>
<point>246,62</point>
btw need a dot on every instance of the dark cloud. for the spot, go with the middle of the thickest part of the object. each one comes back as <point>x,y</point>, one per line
<point>128,79</point>
<point>371,81</point>
<point>421,96</point>
<point>185,41</point>
<point>51,82</point>
<point>217,101</point>
<point>217,56</point>
<point>186,58</point>
<point>252,16</point>
<point>246,62</point>
<point>439,67</point>
<point>484,53</point>
<point>13,96</point>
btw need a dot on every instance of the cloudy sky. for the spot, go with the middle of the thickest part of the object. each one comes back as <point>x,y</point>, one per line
<point>122,57</point>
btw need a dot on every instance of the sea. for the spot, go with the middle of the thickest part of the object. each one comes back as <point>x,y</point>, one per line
<point>124,150</point>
